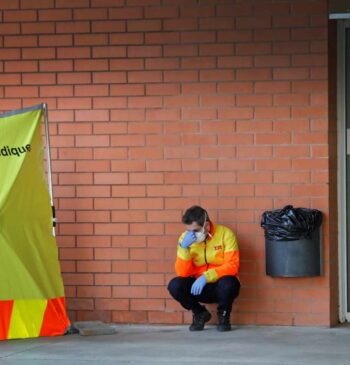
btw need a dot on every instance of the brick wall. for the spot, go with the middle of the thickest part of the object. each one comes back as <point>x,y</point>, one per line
<point>155,105</point>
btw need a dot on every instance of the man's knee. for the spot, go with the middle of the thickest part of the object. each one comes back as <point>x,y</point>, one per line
<point>176,286</point>
<point>229,285</point>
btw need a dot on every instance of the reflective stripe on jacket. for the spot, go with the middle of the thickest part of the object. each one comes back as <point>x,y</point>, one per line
<point>216,257</point>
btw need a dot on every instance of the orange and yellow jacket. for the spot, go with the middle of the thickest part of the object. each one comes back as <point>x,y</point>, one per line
<point>215,257</point>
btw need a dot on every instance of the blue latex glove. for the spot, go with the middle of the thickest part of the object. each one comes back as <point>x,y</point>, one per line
<point>198,285</point>
<point>189,238</point>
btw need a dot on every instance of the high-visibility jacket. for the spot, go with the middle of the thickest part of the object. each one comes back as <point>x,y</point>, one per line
<point>215,257</point>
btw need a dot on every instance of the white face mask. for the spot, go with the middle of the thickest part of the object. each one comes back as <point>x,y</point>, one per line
<point>201,235</point>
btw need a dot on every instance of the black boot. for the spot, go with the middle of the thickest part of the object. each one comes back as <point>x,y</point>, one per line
<point>224,321</point>
<point>199,319</point>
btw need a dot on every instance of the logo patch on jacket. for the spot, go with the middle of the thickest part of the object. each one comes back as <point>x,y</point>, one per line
<point>217,248</point>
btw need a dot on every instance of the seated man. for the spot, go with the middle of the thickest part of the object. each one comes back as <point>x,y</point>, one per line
<point>207,266</point>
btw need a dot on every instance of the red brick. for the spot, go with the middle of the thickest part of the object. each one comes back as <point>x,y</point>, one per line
<point>290,21</point>
<point>81,103</point>
<point>261,100</point>
<point>163,114</point>
<point>143,25</point>
<point>90,14</point>
<point>56,65</point>
<point>162,64</point>
<point>55,14</point>
<point>38,28</point>
<point>87,216</point>
<point>90,39</point>
<point>110,203</point>
<point>162,38</point>
<point>253,22</point>
<point>180,24</point>
<point>110,178</point>
<point>309,112</point>
<point>129,292</point>
<point>21,66</point>
<point>273,138</point>
<point>263,35</point>
<point>273,164</point>
<point>94,291</point>
<point>107,26</point>
<point>216,23</point>
<point>11,28</point>
<point>287,151</point>
<point>235,61</point>
<point>235,87</point>
<point>129,317</point>
<point>108,52</point>
<point>144,76</point>
<point>256,177</point>
<point>144,102</point>
<point>10,79</point>
<point>188,11</point>
<point>146,279</point>
<point>126,140</point>
<point>147,304</point>
<point>37,4</point>
<point>183,50</point>
<point>126,38</point>
<point>163,191</point>
<point>236,113</point>
<point>92,90</point>
<point>38,79</point>
<point>73,27</point>
<point>123,13</point>
<point>92,115</point>
<point>23,41</point>
<point>93,191</point>
<point>8,54</point>
<point>162,89</point>
<point>55,40</point>
<point>176,76</point>
<point>21,91</point>
<point>290,47</point>
<point>109,103</point>
<point>130,216</point>
<point>235,36</point>
<point>109,153</point>
<point>91,65</point>
<point>161,12</point>
<point>126,90</point>
<point>295,177</point>
<point>215,49</point>
<point>309,86</point>
<point>111,228</point>
<point>267,7</point>
<point>146,203</point>
<point>146,178</point>
<point>17,15</point>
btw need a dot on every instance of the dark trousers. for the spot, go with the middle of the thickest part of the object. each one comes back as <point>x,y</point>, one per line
<point>223,292</point>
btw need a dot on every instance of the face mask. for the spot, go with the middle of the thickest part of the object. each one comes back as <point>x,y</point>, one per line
<point>201,235</point>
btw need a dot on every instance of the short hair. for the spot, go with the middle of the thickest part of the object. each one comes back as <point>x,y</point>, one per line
<point>195,214</point>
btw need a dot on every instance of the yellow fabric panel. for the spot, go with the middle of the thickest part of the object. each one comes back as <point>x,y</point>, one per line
<point>29,267</point>
<point>27,317</point>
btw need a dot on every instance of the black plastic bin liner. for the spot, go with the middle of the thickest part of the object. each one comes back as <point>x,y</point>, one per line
<point>290,224</point>
<point>292,242</point>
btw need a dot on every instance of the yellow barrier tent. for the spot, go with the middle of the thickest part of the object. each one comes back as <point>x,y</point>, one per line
<point>32,301</point>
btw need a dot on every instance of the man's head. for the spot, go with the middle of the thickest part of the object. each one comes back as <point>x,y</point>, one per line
<point>196,218</point>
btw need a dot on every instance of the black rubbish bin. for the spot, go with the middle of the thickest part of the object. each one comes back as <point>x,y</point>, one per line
<point>292,242</point>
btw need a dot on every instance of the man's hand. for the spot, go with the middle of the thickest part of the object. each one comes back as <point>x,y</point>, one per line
<point>198,285</point>
<point>188,239</point>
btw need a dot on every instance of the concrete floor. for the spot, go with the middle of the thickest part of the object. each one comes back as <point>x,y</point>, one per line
<point>136,344</point>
